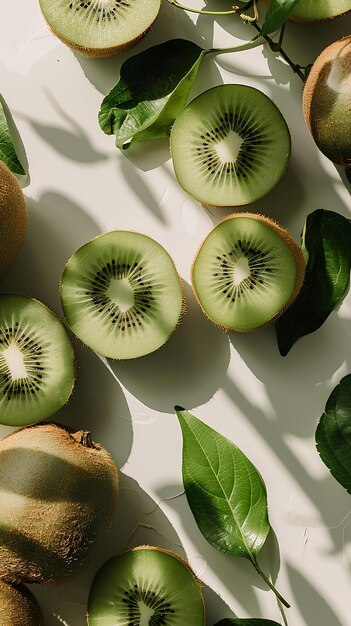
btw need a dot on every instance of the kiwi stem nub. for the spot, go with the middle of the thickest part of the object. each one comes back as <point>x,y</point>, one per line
<point>270,585</point>
<point>83,437</point>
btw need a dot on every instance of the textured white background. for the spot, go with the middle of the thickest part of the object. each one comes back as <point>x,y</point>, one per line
<point>80,186</point>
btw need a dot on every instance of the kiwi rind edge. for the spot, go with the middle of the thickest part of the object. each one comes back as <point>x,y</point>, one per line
<point>299,20</point>
<point>299,262</point>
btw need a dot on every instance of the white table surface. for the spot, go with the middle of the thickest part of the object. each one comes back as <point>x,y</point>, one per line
<point>80,186</point>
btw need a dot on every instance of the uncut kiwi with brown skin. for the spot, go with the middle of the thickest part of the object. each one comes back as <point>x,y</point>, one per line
<point>13,218</point>
<point>18,606</point>
<point>318,10</point>
<point>327,102</point>
<point>146,584</point>
<point>58,494</point>
<point>247,272</point>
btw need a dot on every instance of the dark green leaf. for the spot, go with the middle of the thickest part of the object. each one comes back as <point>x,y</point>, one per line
<point>246,622</point>
<point>7,149</point>
<point>153,88</point>
<point>326,245</point>
<point>225,492</point>
<point>333,435</point>
<point>277,14</point>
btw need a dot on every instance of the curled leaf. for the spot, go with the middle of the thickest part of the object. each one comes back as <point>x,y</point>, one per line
<point>7,149</point>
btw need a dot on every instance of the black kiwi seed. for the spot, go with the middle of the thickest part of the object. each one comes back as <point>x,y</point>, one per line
<point>31,351</point>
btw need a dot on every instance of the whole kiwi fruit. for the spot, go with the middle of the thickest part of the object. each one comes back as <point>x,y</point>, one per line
<point>327,102</point>
<point>18,606</point>
<point>58,493</point>
<point>13,218</point>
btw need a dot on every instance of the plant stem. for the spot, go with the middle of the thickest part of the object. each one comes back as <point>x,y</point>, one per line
<point>200,12</point>
<point>270,585</point>
<point>295,68</point>
<point>244,46</point>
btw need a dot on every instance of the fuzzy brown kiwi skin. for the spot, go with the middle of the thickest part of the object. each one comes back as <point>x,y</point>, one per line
<point>13,218</point>
<point>58,533</point>
<point>327,126</point>
<point>176,556</point>
<point>299,261</point>
<point>18,606</point>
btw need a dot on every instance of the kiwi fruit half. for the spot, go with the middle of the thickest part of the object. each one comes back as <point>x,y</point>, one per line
<point>327,102</point>
<point>58,493</point>
<point>37,364</point>
<point>247,272</point>
<point>18,606</point>
<point>146,586</point>
<point>319,10</point>
<point>121,294</point>
<point>100,28</point>
<point>13,218</point>
<point>230,146</point>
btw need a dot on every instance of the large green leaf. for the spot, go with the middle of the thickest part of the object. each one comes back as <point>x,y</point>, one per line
<point>225,492</point>
<point>7,149</point>
<point>277,14</point>
<point>246,622</point>
<point>333,435</point>
<point>327,249</point>
<point>153,88</point>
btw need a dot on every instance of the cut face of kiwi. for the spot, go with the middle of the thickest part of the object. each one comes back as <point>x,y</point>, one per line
<point>100,28</point>
<point>145,586</point>
<point>319,10</point>
<point>230,146</point>
<point>121,294</point>
<point>37,366</point>
<point>327,102</point>
<point>247,272</point>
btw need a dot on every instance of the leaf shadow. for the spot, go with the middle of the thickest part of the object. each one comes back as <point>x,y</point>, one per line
<point>187,370</point>
<point>143,192</point>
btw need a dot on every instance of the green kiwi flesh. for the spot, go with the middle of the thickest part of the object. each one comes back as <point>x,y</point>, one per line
<point>145,585</point>
<point>230,146</point>
<point>18,606</point>
<point>247,272</point>
<point>327,102</point>
<point>13,218</point>
<point>58,493</point>
<point>121,294</point>
<point>319,10</point>
<point>100,28</point>
<point>37,365</point>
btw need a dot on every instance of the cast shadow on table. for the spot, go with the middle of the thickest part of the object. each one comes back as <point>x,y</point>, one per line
<point>297,388</point>
<point>187,370</point>
<point>73,143</point>
<point>139,521</point>
<point>137,183</point>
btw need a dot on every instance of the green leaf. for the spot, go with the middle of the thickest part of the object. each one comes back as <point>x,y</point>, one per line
<point>326,247</point>
<point>153,88</point>
<point>277,14</point>
<point>225,492</point>
<point>333,435</point>
<point>7,149</point>
<point>246,622</point>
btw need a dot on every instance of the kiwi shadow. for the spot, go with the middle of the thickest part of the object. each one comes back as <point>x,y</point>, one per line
<point>139,521</point>
<point>24,179</point>
<point>236,574</point>
<point>187,370</point>
<point>312,606</point>
<point>73,143</point>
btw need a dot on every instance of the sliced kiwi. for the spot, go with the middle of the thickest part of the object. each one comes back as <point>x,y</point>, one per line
<point>230,146</point>
<point>327,102</point>
<point>100,28</point>
<point>247,272</point>
<point>121,294</point>
<point>319,10</point>
<point>13,218</point>
<point>146,586</point>
<point>37,365</point>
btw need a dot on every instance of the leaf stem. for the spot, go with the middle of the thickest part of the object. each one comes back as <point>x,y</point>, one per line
<point>270,585</point>
<point>243,46</point>
<point>277,47</point>
<point>199,11</point>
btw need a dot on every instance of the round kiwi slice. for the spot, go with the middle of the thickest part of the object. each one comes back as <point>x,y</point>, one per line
<point>319,10</point>
<point>37,366</point>
<point>13,218</point>
<point>143,586</point>
<point>100,28</point>
<point>230,146</point>
<point>18,606</point>
<point>121,294</point>
<point>247,272</point>
<point>327,102</point>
